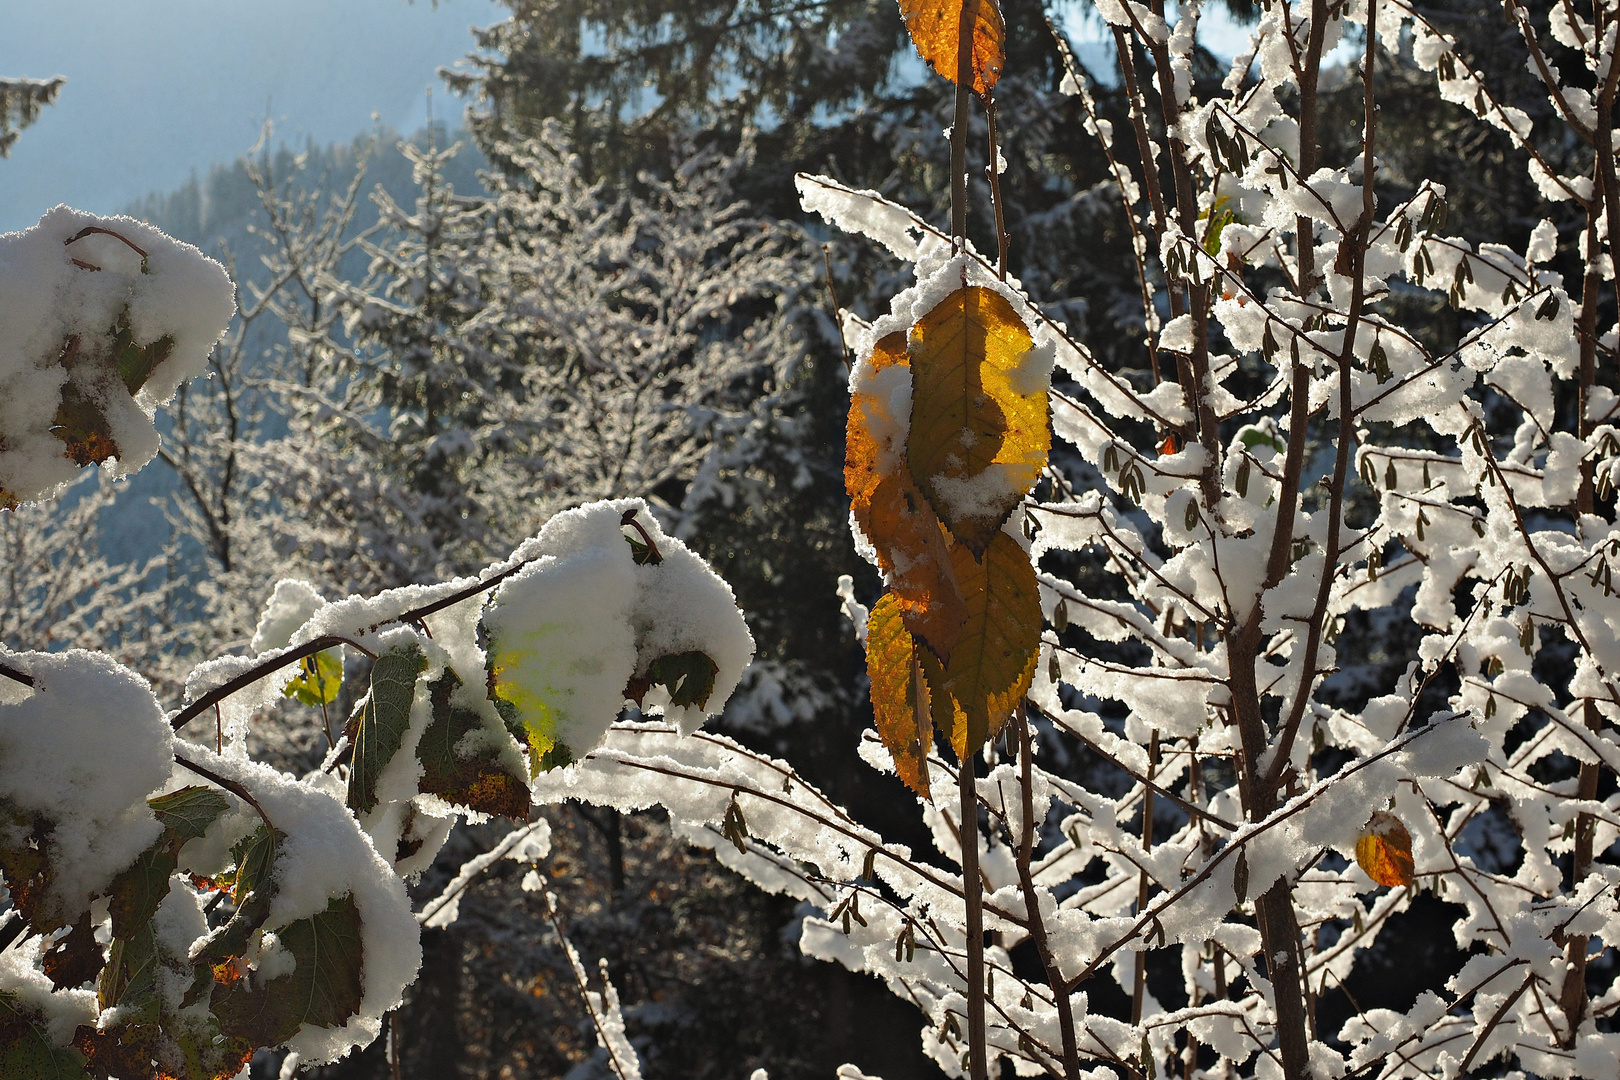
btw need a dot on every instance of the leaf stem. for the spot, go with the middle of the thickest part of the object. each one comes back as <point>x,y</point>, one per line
<point>993,170</point>
<point>629,519</point>
<point>959,130</point>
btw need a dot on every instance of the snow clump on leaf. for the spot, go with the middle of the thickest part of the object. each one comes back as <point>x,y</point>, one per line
<point>101,320</point>
<point>612,608</point>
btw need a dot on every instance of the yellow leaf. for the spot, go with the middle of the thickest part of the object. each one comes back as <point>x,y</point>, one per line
<point>935,27</point>
<point>319,679</point>
<point>1384,850</point>
<point>990,670</point>
<point>980,422</point>
<point>899,695</point>
<point>895,516</point>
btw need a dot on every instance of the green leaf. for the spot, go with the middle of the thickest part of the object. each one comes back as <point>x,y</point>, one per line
<point>145,1038</point>
<point>1252,436</point>
<point>26,1052</point>
<point>478,781</point>
<point>189,812</point>
<point>130,977</point>
<point>320,678</point>
<point>137,891</point>
<point>322,990</point>
<point>1219,219</point>
<point>253,891</point>
<point>641,552</point>
<point>689,677</point>
<point>255,855</point>
<point>135,363</point>
<point>378,726</point>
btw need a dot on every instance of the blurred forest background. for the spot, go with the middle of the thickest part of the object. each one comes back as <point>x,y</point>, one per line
<point>599,284</point>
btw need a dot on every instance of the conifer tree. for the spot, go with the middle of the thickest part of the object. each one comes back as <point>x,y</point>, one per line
<point>20,103</point>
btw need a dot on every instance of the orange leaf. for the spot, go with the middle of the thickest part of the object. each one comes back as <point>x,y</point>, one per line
<point>1170,445</point>
<point>980,423</point>
<point>1384,850</point>
<point>935,27</point>
<point>990,670</point>
<point>899,695</point>
<point>895,516</point>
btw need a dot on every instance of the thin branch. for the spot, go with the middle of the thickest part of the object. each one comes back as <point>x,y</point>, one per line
<point>16,675</point>
<point>973,895</point>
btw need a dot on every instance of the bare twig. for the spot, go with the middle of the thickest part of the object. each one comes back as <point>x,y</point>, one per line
<point>973,895</point>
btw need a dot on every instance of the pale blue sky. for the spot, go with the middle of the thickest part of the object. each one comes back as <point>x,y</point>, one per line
<point>159,88</point>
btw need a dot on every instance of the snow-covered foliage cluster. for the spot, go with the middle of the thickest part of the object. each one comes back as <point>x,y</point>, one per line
<point>164,926</point>
<point>101,320</point>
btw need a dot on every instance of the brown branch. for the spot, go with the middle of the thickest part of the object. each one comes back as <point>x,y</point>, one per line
<point>994,171</point>
<point>959,130</point>
<point>1196,382</point>
<point>580,980</point>
<point>973,895</point>
<point>1492,1024</point>
<point>1191,808</point>
<point>1143,882</point>
<point>229,785</point>
<point>255,673</point>
<point>1138,241</point>
<point>1037,926</point>
<point>16,675</point>
<point>1347,430</point>
<point>922,870</point>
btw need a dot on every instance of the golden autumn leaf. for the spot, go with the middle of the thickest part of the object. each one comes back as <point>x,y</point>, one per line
<point>1384,850</point>
<point>980,420</point>
<point>935,28</point>
<point>895,516</point>
<point>974,693</point>
<point>899,695</point>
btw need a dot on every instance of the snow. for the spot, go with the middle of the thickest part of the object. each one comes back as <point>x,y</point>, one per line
<point>852,609</point>
<point>62,1011</point>
<point>573,628</point>
<point>83,752</point>
<point>560,634</point>
<point>528,843</point>
<point>292,603</point>
<point>47,301</point>
<point>865,212</point>
<point>610,1034</point>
